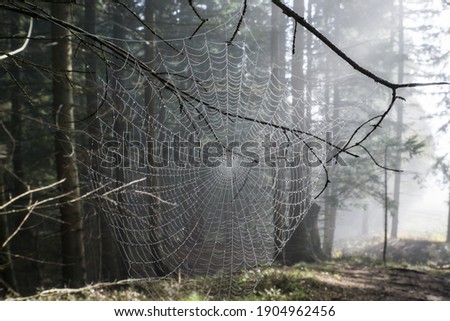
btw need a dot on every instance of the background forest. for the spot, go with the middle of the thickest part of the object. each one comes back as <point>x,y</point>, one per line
<point>92,73</point>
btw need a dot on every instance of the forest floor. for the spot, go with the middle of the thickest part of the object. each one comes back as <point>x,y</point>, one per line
<point>344,280</point>
<point>356,277</point>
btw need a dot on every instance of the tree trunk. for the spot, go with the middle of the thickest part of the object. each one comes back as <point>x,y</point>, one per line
<point>110,263</point>
<point>278,29</point>
<point>399,127</point>
<point>331,195</point>
<point>17,164</point>
<point>121,227</point>
<point>153,110</point>
<point>73,260</point>
<point>309,69</point>
<point>310,248</point>
<point>304,244</point>
<point>290,250</point>
<point>24,244</point>
<point>448,223</point>
<point>7,275</point>
<point>329,226</point>
<point>386,203</point>
<point>298,82</point>
<point>365,223</point>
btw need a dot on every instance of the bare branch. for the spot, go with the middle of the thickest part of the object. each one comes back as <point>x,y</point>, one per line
<point>18,227</point>
<point>379,165</point>
<point>154,196</point>
<point>393,86</point>
<point>7,286</point>
<point>11,138</point>
<point>203,20</point>
<point>125,185</point>
<point>244,10</point>
<point>198,28</point>
<point>291,13</point>
<point>381,117</point>
<point>32,259</point>
<point>25,43</point>
<point>121,53</point>
<point>146,26</point>
<point>52,292</point>
<point>327,179</point>
<point>30,192</point>
<point>18,84</point>
<point>243,184</point>
<point>294,38</point>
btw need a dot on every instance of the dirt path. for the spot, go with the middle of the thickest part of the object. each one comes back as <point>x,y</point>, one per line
<point>370,283</point>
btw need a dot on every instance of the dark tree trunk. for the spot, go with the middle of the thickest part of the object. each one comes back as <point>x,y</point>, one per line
<point>304,244</point>
<point>74,273</point>
<point>7,275</point>
<point>121,228</point>
<point>24,244</point>
<point>110,263</point>
<point>153,111</point>
<point>298,82</point>
<point>307,237</point>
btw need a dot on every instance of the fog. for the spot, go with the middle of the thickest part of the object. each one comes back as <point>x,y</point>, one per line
<point>424,192</point>
<point>163,139</point>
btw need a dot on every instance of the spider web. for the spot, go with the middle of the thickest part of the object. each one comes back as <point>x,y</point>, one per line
<point>171,211</point>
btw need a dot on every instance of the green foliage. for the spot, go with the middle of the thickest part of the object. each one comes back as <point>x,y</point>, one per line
<point>413,146</point>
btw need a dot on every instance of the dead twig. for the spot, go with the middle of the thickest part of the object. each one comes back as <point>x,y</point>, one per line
<point>30,192</point>
<point>298,19</point>
<point>203,20</point>
<point>86,288</point>
<point>25,43</point>
<point>238,26</point>
<point>147,26</point>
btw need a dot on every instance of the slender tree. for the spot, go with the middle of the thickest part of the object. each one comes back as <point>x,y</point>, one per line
<point>73,259</point>
<point>278,54</point>
<point>399,126</point>
<point>7,275</point>
<point>151,7</point>
<point>305,243</point>
<point>442,166</point>
<point>291,250</point>
<point>448,220</point>
<point>110,265</point>
<point>332,15</point>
